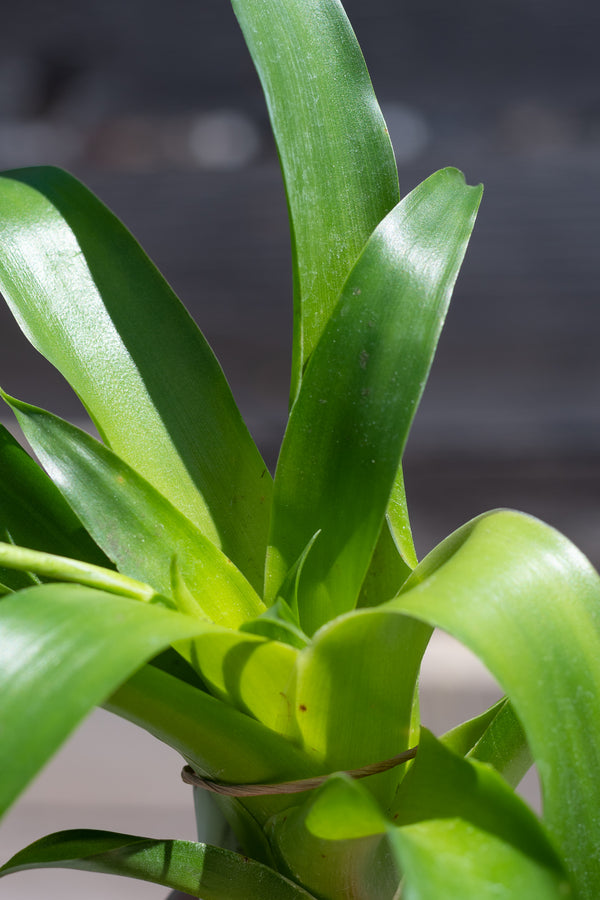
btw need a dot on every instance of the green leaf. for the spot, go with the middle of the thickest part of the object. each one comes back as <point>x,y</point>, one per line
<point>335,843</point>
<point>397,518</point>
<point>387,571</point>
<point>256,675</point>
<point>527,602</point>
<point>277,623</point>
<point>197,869</point>
<point>442,785</point>
<point>88,299</point>
<point>34,513</point>
<point>454,860</point>
<point>63,649</point>
<point>465,736</point>
<point>137,527</point>
<point>495,737</point>
<point>360,669</point>
<point>337,161</point>
<point>347,430</point>
<point>60,568</point>
<point>504,746</point>
<point>216,740</point>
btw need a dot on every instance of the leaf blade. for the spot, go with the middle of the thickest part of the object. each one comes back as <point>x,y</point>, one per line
<point>139,529</point>
<point>337,160</point>
<point>343,445</point>
<point>453,859</point>
<point>523,598</point>
<point>33,512</point>
<point>214,873</point>
<point>88,298</point>
<point>63,650</point>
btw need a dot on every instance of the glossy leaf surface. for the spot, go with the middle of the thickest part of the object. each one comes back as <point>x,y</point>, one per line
<point>495,737</point>
<point>33,512</point>
<point>133,523</point>
<point>215,738</point>
<point>454,860</point>
<point>360,670</point>
<point>198,869</point>
<point>527,602</point>
<point>63,650</point>
<point>348,427</point>
<point>442,785</point>
<point>88,299</point>
<point>336,156</point>
<point>335,843</point>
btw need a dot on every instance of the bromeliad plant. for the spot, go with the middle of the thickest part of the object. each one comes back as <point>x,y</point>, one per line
<point>272,630</point>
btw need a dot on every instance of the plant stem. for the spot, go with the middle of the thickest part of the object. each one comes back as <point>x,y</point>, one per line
<point>61,568</point>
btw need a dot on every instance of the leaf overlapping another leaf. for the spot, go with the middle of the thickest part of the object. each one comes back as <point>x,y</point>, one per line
<point>337,160</point>
<point>89,299</point>
<point>348,427</point>
<point>137,527</point>
<point>527,602</point>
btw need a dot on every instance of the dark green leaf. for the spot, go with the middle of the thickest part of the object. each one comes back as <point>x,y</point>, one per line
<point>33,512</point>
<point>337,160</point>
<point>198,869</point>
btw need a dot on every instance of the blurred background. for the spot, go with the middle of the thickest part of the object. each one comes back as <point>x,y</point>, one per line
<point>159,111</point>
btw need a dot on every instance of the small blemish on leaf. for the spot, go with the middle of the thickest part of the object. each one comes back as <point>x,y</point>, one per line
<point>356,292</point>
<point>302,707</point>
<point>363,359</point>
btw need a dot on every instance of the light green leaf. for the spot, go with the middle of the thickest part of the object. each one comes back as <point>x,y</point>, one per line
<point>216,739</point>
<point>61,568</point>
<point>527,602</point>
<point>63,649</point>
<point>88,299</point>
<point>397,518</point>
<point>387,571</point>
<point>360,669</point>
<point>278,623</point>
<point>197,869</point>
<point>495,737</point>
<point>34,513</point>
<point>504,746</point>
<point>254,674</point>
<point>347,430</point>
<point>337,161</point>
<point>335,843</point>
<point>465,736</point>
<point>454,860</point>
<point>137,527</point>
<point>442,785</point>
